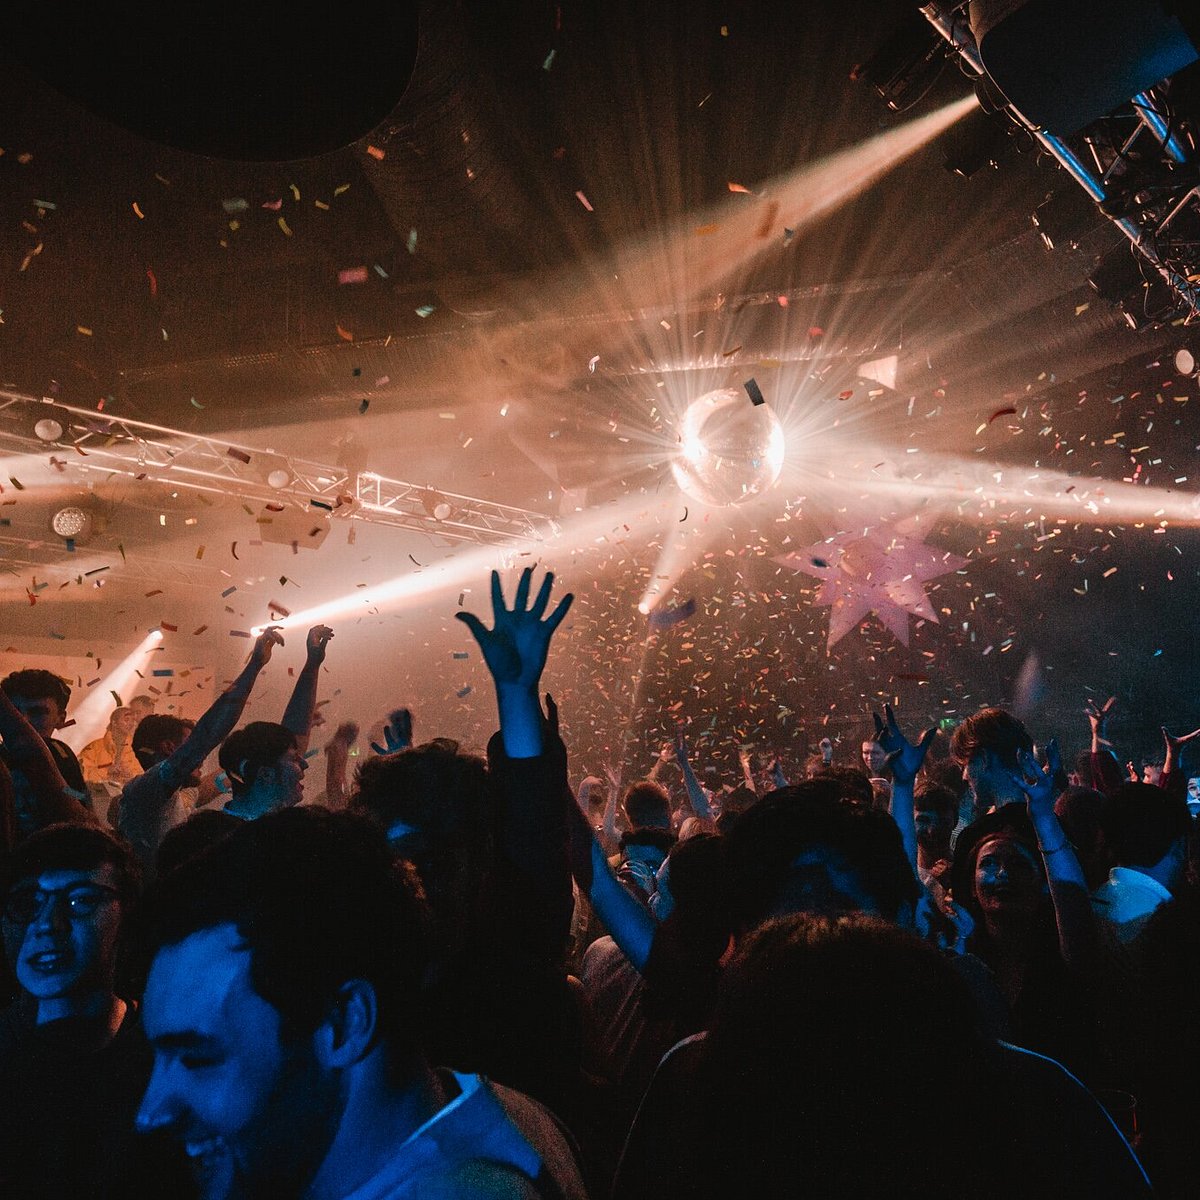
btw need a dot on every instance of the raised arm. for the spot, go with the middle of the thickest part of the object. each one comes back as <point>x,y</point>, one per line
<point>1078,936</point>
<point>905,759</point>
<point>1107,775</point>
<point>54,800</point>
<point>664,756</point>
<point>778,778</point>
<point>159,783</point>
<point>515,650</point>
<point>301,708</point>
<point>697,796</point>
<point>628,922</point>
<point>337,755</point>
<point>747,772</point>
<point>1172,779</point>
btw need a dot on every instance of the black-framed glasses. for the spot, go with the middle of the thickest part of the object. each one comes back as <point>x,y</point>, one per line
<point>23,906</point>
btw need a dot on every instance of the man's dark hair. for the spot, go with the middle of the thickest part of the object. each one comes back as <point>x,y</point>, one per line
<point>253,748</point>
<point>35,684</point>
<point>1141,823</point>
<point>764,842</point>
<point>811,1070</point>
<point>853,783</point>
<point>318,900</point>
<point>204,828</point>
<point>945,772</point>
<point>152,731</point>
<point>738,800</point>
<point>647,803</point>
<point>994,730</point>
<point>435,788</point>
<point>932,796</point>
<point>648,835</point>
<point>73,848</point>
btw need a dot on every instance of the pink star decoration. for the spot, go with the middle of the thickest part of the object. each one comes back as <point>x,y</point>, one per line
<point>880,571</point>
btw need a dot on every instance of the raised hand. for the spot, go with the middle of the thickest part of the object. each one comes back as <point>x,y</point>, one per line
<point>516,646</point>
<point>903,757</point>
<point>1173,744</point>
<point>397,732</point>
<point>1098,720</point>
<point>346,734</point>
<point>613,775</point>
<point>680,749</point>
<point>315,643</point>
<point>264,644</point>
<point>1038,784</point>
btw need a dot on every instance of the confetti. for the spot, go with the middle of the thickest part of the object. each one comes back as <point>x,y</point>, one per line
<point>240,455</point>
<point>1009,410</point>
<point>753,391</point>
<point>584,201</point>
<point>424,310</point>
<point>375,153</point>
<point>353,275</point>
<point>464,691</point>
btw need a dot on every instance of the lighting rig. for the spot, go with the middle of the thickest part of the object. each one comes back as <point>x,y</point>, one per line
<point>1109,90</point>
<point>98,443</point>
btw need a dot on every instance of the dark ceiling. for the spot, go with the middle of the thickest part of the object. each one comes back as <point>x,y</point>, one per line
<point>219,280</point>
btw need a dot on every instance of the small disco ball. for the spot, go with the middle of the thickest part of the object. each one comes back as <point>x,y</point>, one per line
<point>730,449</point>
<point>48,429</point>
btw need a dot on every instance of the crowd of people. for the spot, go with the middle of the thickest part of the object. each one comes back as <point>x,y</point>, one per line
<point>921,970</point>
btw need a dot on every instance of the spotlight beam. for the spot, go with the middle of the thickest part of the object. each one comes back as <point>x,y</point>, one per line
<point>576,531</point>
<point>91,716</point>
<point>974,488</point>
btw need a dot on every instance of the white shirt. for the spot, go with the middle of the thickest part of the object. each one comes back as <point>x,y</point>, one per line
<point>1127,900</point>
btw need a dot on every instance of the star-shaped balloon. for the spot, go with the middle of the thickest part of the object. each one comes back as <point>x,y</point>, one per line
<point>881,570</point>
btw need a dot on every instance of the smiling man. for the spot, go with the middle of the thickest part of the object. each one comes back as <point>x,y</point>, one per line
<point>283,1006</point>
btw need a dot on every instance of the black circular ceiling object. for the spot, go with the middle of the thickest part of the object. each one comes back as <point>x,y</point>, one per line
<point>256,82</point>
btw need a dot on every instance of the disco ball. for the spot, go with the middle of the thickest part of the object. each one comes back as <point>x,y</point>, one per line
<point>730,449</point>
<point>48,429</point>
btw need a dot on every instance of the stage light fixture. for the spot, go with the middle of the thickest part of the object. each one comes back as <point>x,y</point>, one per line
<point>437,506</point>
<point>1117,274</point>
<point>1064,217</point>
<point>48,429</point>
<point>72,523</point>
<point>1151,305</point>
<point>905,66</point>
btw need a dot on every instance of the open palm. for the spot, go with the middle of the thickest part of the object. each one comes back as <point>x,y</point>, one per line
<point>516,646</point>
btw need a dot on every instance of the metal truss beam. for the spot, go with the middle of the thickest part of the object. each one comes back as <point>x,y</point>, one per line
<point>101,443</point>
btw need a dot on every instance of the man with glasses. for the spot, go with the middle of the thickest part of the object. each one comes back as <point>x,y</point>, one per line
<point>72,1053</point>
